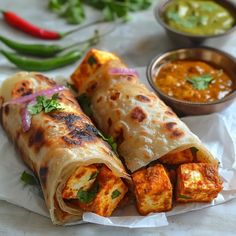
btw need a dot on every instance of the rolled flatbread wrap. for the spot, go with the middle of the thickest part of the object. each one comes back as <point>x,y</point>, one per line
<point>78,171</point>
<point>151,139</point>
<point>144,127</point>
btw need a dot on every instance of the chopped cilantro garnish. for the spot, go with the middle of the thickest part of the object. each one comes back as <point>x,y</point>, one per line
<point>74,10</point>
<point>29,179</point>
<point>200,82</point>
<point>110,141</point>
<point>88,196</point>
<point>116,193</point>
<point>85,104</point>
<point>44,104</point>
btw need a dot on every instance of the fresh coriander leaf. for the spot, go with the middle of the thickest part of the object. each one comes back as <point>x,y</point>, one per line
<point>110,141</point>
<point>71,86</point>
<point>29,179</point>
<point>73,10</point>
<point>44,104</point>
<point>184,197</point>
<point>35,109</point>
<point>93,175</point>
<point>56,5</point>
<point>85,104</point>
<point>88,196</point>
<point>116,193</point>
<point>200,82</point>
<point>194,150</point>
<point>119,9</point>
<point>74,14</point>
<point>137,5</point>
<point>92,61</point>
<point>113,144</point>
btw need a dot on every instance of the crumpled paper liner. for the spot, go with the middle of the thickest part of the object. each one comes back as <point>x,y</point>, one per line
<point>217,132</point>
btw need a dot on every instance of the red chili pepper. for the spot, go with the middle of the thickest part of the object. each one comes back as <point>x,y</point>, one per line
<point>17,22</point>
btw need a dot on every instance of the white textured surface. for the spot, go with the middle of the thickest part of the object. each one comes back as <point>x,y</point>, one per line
<point>137,42</point>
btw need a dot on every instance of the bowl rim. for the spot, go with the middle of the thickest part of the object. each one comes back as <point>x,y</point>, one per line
<point>230,96</point>
<point>157,14</point>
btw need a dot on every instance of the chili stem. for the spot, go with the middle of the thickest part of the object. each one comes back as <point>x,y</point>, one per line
<point>81,27</point>
<point>96,36</point>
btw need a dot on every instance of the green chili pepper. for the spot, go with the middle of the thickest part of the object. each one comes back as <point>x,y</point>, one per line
<point>32,49</point>
<point>29,64</point>
<point>42,50</point>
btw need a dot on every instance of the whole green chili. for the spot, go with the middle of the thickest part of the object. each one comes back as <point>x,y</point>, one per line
<point>43,50</point>
<point>30,64</point>
<point>32,49</point>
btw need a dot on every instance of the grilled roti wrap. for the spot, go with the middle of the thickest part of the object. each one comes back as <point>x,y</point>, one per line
<point>57,144</point>
<point>143,126</point>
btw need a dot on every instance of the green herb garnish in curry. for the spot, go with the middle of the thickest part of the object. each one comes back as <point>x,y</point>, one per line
<point>200,82</point>
<point>199,17</point>
<point>194,81</point>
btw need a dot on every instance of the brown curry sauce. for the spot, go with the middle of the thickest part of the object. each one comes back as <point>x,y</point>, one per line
<point>172,79</point>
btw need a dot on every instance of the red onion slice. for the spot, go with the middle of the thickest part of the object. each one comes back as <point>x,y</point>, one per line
<point>30,97</point>
<point>25,119</point>
<point>123,71</point>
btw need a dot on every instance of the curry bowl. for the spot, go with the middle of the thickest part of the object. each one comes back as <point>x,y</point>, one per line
<point>211,56</point>
<point>179,35</point>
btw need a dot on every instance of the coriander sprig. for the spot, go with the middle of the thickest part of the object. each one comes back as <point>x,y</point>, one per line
<point>200,82</point>
<point>73,10</point>
<point>44,104</point>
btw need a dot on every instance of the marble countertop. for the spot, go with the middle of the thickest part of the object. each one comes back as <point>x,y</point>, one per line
<point>137,42</point>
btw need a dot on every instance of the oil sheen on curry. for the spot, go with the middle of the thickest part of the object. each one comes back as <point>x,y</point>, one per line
<point>194,81</point>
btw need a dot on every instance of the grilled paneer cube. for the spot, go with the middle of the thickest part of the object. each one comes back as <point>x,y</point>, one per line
<point>153,189</point>
<point>110,191</point>
<point>197,182</point>
<point>83,178</point>
<point>91,63</point>
<point>177,158</point>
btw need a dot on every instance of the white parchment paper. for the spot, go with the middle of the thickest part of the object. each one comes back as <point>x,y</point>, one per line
<point>217,131</point>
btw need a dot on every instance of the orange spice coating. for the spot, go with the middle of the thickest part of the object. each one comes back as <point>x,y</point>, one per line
<point>153,190</point>
<point>105,201</point>
<point>197,182</point>
<point>172,80</point>
<point>185,156</point>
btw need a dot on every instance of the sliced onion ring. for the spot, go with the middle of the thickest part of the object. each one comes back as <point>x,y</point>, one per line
<point>123,71</point>
<point>30,97</point>
<point>25,119</point>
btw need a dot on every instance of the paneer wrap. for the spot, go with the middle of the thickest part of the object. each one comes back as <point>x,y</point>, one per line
<point>78,171</point>
<point>145,129</point>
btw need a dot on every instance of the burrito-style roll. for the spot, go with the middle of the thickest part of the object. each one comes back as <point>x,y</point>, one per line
<point>151,139</point>
<point>77,169</point>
